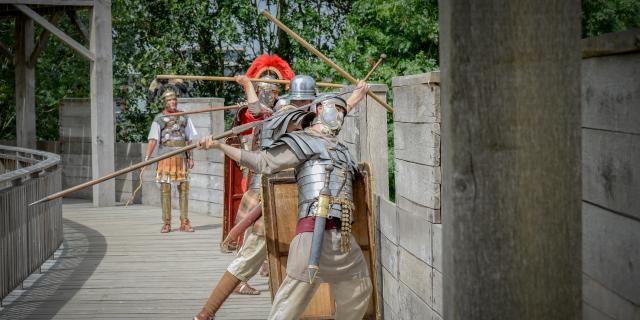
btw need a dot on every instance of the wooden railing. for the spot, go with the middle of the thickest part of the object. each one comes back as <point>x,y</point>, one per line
<point>28,235</point>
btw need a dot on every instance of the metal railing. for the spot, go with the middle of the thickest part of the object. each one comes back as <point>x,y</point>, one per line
<point>28,235</point>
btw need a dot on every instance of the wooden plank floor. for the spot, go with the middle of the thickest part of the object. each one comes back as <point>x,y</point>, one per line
<point>115,264</point>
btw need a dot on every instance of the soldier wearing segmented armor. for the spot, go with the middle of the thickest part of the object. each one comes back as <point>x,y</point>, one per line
<point>324,171</point>
<point>253,252</point>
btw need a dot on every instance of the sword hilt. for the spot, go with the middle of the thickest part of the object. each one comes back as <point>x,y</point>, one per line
<point>324,199</point>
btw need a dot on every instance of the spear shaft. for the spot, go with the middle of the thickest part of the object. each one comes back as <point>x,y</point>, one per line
<point>214,78</point>
<point>233,131</point>
<point>375,66</point>
<point>212,109</point>
<point>322,57</point>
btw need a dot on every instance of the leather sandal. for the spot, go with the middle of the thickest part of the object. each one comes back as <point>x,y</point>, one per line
<point>166,228</point>
<point>185,226</point>
<point>245,289</point>
<point>203,315</point>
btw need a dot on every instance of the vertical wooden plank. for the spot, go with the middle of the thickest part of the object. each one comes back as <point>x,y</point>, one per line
<point>58,232</point>
<point>4,258</point>
<point>510,88</point>
<point>25,240</point>
<point>25,84</point>
<point>102,108</point>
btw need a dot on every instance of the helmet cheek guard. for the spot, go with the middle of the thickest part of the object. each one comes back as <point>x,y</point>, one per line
<point>267,92</point>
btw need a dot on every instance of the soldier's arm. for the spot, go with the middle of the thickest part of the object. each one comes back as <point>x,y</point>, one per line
<point>269,161</point>
<point>255,107</point>
<point>357,95</point>
<point>153,137</point>
<point>150,146</point>
<point>191,133</point>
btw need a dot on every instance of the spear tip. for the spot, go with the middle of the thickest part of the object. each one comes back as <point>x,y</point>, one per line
<point>39,201</point>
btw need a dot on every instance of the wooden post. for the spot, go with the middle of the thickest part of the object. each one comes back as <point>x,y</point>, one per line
<point>102,109</point>
<point>511,209</point>
<point>25,84</point>
<point>373,138</point>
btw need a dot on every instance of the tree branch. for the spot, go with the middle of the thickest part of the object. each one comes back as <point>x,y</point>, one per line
<point>42,42</point>
<point>73,15</point>
<point>5,51</point>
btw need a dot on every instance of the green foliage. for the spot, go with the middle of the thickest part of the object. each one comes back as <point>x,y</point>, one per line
<point>605,16</point>
<point>198,38</point>
<point>405,30</point>
<point>60,73</point>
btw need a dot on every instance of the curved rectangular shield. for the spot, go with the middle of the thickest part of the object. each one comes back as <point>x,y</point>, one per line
<point>232,191</point>
<point>280,198</point>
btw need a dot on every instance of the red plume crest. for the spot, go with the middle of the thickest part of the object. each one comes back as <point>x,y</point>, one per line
<point>272,63</point>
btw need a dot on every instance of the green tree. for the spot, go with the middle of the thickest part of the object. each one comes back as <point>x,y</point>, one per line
<point>200,38</point>
<point>604,16</point>
<point>405,30</point>
<point>60,72</point>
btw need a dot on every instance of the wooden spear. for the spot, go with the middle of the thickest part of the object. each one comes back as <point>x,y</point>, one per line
<point>212,109</point>
<point>375,66</point>
<point>234,131</point>
<point>212,78</point>
<point>322,56</point>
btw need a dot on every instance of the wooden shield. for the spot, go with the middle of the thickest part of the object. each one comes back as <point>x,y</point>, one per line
<point>232,190</point>
<point>280,201</point>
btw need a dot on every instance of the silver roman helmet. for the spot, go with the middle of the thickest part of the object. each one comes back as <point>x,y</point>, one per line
<point>331,116</point>
<point>302,87</point>
<point>267,92</point>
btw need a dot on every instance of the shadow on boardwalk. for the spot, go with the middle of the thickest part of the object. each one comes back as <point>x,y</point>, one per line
<point>114,264</point>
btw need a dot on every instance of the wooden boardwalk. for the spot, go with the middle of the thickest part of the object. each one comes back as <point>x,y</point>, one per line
<point>115,264</point>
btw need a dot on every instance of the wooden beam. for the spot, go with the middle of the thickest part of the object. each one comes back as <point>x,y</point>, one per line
<point>56,32</point>
<point>73,15</point>
<point>25,84</point>
<point>42,42</point>
<point>611,43</point>
<point>5,51</point>
<point>102,108</point>
<point>511,167</point>
<point>72,3</point>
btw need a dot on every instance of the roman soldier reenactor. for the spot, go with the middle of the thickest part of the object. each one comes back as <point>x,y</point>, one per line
<point>253,253</point>
<point>261,98</point>
<point>324,171</point>
<point>170,133</point>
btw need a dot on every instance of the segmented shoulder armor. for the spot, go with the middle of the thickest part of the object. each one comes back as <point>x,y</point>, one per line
<point>276,126</point>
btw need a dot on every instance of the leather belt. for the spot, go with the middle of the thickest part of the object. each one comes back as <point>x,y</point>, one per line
<point>174,143</point>
<point>306,224</point>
